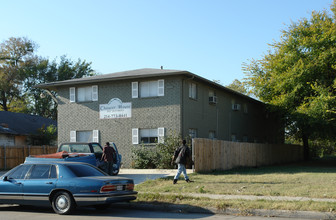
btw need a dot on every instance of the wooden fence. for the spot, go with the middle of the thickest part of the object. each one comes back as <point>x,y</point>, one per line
<point>13,156</point>
<point>211,154</point>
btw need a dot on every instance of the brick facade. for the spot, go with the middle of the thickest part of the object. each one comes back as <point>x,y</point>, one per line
<point>175,111</point>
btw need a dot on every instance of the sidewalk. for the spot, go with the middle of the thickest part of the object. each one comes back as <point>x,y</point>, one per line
<point>230,211</point>
<point>251,197</point>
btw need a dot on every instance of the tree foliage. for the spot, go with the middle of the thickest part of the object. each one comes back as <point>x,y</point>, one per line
<point>298,76</point>
<point>21,69</point>
<point>43,71</point>
<point>238,86</point>
<point>15,54</point>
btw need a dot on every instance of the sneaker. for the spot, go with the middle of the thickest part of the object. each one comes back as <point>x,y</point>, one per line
<point>175,181</point>
<point>189,181</point>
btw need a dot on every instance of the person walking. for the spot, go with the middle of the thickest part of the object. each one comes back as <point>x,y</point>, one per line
<point>181,156</point>
<point>108,157</point>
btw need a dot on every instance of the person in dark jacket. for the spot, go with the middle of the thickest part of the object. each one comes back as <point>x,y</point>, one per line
<point>108,157</point>
<point>181,155</point>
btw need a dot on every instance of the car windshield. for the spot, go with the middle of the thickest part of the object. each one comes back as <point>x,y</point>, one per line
<point>82,170</point>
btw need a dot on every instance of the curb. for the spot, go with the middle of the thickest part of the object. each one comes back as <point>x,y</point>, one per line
<point>255,212</point>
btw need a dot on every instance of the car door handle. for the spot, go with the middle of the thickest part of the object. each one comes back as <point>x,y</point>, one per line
<point>49,183</point>
<point>18,183</point>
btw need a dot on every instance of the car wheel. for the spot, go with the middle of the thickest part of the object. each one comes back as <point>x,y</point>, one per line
<point>63,203</point>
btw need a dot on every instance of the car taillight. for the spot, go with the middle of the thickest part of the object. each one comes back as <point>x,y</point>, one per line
<point>130,186</point>
<point>108,188</point>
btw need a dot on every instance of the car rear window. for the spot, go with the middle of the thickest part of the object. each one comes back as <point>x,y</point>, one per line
<point>82,170</point>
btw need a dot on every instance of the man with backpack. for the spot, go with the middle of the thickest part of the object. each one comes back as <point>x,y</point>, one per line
<point>181,156</point>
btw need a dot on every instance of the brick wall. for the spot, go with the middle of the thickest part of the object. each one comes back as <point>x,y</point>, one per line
<point>151,112</point>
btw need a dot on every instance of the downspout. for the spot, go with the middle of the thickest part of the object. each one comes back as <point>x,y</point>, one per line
<point>181,109</point>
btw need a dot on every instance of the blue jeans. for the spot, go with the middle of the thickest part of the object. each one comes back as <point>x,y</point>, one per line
<point>181,169</point>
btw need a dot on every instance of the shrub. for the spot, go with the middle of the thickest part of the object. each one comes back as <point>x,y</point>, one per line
<point>159,156</point>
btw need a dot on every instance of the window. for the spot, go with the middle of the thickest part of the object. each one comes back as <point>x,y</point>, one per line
<point>234,138</point>
<point>193,91</point>
<point>40,172</point>
<point>245,138</point>
<point>212,97</point>
<point>148,88</point>
<point>192,132</point>
<point>81,170</point>
<point>97,148</point>
<point>84,136</point>
<point>7,140</point>
<point>212,134</point>
<point>20,172</point>
<point>84,94</point>
<point>245,109</point>
<point>81,148</point>
<point>148,136</point>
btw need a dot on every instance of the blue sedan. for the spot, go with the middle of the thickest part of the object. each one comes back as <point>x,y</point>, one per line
<point>63,185</point>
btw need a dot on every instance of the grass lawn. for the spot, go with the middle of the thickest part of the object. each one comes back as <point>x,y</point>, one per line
<point>315,179</point>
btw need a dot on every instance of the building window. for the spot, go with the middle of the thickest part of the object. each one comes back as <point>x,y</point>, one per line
<point>234,138</point>
<point>245,109</point>
<point>84,94</point>
<point>153,88</point>
<point>245,138</point>
<point>212,134</point>
<point>7,140</point>
<point>84,136</point>
<point>192,132</point>
<point>212,97</point>
<point>193,91</point>
<point>148,135</point>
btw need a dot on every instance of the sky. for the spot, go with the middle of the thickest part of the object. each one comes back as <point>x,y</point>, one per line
<point>210,38</point>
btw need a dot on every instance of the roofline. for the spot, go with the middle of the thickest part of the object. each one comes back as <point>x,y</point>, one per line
<point>97,79</point>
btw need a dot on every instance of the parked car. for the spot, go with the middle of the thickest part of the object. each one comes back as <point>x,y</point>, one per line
<point>95,148</point>
<point>63,185</point>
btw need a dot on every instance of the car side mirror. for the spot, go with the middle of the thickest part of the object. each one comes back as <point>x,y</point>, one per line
<point>5,178</point>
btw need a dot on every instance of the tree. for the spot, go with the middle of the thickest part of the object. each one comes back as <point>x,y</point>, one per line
<point>297,77</point>
<point>43,71</point>
<point>15,53</point>
<point>238,86</point>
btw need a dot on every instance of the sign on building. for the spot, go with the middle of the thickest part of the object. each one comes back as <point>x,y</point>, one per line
<point>115,109</point>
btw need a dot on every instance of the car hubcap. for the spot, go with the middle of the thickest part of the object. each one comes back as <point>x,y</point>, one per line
<point>62,203</point>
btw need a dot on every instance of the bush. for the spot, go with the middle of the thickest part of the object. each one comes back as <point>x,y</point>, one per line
<point>159,156</point>
<point>144,157</point>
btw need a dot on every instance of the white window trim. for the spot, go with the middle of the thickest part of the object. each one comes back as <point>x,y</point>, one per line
<point>161,135</point>
<point>191,94</point>
<point>135,90</point>
<point>72,92</point>
<point>95,93</point>
<point>72,136</point>
<point>95,136</point>
<point>135,135</point>
<point>161,87</point>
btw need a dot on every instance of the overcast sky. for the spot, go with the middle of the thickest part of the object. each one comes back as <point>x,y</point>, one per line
<point>210,38</point>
